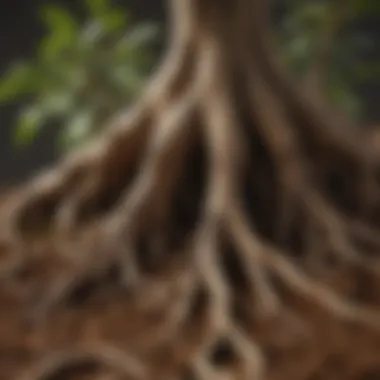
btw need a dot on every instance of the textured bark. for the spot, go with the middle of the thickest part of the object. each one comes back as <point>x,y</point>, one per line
<point>224,228</point>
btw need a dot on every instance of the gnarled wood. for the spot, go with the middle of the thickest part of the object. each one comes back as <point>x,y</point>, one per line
<point>203,232</point>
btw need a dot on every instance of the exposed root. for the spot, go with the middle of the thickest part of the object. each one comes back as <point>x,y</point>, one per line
<point>112,357</point>
<point>126,220</point>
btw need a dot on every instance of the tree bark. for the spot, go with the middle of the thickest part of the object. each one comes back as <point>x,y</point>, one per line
<point>205,231</point>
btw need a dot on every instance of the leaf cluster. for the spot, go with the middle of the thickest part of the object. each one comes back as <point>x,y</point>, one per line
<point>82,73</point>
<point>300,34</point>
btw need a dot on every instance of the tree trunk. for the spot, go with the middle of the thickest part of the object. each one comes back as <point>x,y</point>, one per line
<point>225,226</point>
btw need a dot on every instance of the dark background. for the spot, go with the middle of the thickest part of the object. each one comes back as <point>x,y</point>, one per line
<point>20,32</point>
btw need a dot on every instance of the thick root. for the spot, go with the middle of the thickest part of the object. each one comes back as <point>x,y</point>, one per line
<point>261,256</point>
<point>112,357</point>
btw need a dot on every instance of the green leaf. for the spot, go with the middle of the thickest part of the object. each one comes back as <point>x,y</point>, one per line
<point>29,124</point>
<point>92,33</point>
<point>59,104</point>
<point>20,80</point>
<point>78,129</point>
<point>141,35</point>
<point>58,19</point>
<point>63,32</point>
<point>133,49</point>
<point>127,78</point>
<point>113,19</point>
<point>98,7</point>
<point>33,118</point>
<point>306,17</point>
<point>297,52</point>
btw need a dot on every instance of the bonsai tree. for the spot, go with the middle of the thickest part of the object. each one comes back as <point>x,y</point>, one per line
<point>225,226</point>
